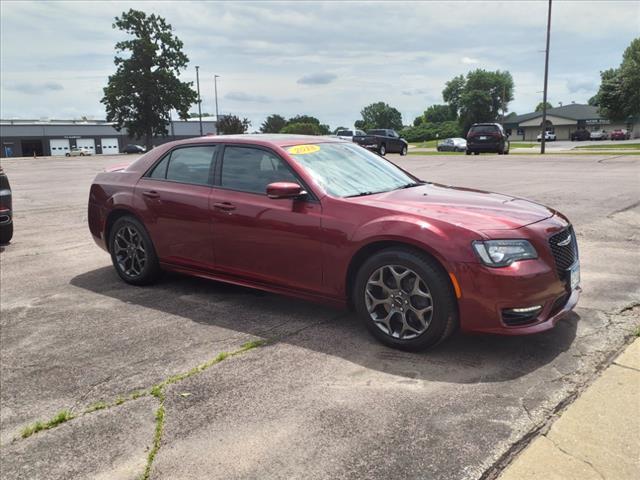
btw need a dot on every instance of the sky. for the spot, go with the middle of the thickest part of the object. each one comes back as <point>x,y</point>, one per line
<point>326,59</point>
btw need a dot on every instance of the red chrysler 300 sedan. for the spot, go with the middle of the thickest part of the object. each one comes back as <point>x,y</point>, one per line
<point>327,220</point>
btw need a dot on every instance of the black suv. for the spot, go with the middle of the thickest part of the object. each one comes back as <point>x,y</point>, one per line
<point>580,135</point>
<point>487,137</point>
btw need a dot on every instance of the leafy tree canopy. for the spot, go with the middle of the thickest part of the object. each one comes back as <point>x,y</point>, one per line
<point>145,86</point>
<point>230,124</point>
<point>440,113</point>
<point>379,115</point>
<point>480,96</point>
<point>541,106</point>
<point>619,94</point>
<point>304,128</point>
<point>273,124</point>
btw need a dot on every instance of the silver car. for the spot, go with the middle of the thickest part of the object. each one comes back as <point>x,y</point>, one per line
<point>452,145</point>
<point>78,152</point>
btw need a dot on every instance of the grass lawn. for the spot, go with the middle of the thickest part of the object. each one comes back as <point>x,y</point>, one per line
<point>615,146</point>
<point>428,144</point>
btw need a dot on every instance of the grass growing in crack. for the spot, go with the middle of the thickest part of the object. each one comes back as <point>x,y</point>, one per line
<point>156,391</point>
<point>157,437</point>
<point>60,417</point>
<point>96,406</point>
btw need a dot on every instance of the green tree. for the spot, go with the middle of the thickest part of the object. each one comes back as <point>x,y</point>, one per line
<point>594,101</point>
<point>322,128</point>
<point>430,131</point>
<point>619,94</point>
<point>273,124</point>
<point>145,87</point>
<point>480,97</point>
<point>196,114</point>
<point>453,90</point>
<point>418,120</point>
<point>302,128</point>
<point>541,106</point>
<point>440,113</point>
<point>381,115</point>
<point>230,124</point>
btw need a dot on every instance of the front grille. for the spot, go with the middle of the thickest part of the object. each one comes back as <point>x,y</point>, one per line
<point>565,253</point>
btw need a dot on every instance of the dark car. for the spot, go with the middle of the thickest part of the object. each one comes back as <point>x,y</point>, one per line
<point>487,137</point>
<point>382,141</point>
<point>6,212</point>
<point>580,135</point>
<point>325,220</point>
<point>134,149</point>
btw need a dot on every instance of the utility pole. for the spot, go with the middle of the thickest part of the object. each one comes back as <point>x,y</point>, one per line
<point>546,78</point>
<point>215,88</point>
<point>199,100</point>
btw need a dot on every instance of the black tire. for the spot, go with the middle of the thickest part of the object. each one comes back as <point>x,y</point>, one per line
<point>6,233</point>
<point>403,151</point>
<point>476,153</point>
<point>67,154</point>
<point>468,152</point>
<point>382,150</point>
<point>444,314</point>
<point>150,271</point>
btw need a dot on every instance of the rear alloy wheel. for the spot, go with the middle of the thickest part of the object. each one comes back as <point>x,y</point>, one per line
<point>405,299</point>
<point>468,152</point>
<point>383,150</point>
<point>132,252</point>
<point>403,152</point>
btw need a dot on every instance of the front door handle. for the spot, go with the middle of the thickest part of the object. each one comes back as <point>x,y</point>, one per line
<point>226,206</point>
<point>151,194</point>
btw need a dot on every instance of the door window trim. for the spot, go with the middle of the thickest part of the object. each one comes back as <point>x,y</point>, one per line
<point>217,180</point>
<point>212,166</point>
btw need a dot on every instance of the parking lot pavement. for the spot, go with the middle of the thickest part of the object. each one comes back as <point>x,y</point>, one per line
<point>322,399</point>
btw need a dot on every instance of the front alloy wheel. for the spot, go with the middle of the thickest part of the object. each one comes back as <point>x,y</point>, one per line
<point>405,299</point>
<point>403,152</point>
<point>398,302</point>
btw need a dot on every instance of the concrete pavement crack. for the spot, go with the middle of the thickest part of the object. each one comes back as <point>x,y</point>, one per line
<point>581,460</point>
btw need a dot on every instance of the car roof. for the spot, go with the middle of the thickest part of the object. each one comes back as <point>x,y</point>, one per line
<point>264,139</point>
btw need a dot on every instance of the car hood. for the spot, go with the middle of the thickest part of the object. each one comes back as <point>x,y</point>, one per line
<point>472,209</point>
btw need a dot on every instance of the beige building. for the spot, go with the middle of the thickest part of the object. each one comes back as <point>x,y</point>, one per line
<point>565,120</point>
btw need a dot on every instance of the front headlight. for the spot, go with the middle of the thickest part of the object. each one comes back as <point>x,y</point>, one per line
<point>500,253</point>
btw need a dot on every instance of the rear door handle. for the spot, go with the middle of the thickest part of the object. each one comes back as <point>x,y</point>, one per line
<point>226,206</point>
<point>151,194</point>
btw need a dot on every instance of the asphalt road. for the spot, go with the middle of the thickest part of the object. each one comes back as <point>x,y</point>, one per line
<point>322,399</point>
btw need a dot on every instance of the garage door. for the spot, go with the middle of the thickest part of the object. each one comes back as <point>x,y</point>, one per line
<point>59,146</point>
<point>88,143</point>
<point>110,146</point>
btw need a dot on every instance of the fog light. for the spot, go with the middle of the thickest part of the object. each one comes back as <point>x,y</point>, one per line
<point>526,309</point>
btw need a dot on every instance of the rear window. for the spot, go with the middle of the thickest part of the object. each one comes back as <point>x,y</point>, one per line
<point>377,132</point>
<point>345,133</point>
<point>484,129</point>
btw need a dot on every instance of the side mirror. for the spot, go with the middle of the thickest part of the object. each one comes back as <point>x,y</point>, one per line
<point>284,190</point>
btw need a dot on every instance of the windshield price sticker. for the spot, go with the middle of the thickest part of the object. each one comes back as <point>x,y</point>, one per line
<point>304,149</point>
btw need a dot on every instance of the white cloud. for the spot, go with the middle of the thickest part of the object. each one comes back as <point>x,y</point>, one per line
<point>262,49</point>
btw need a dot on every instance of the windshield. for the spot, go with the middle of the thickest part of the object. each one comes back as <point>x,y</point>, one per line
<point>347,170</point>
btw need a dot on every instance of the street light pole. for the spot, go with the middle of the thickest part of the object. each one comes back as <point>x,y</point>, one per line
<point>215,87</point>
<point>546,78</point>
<point>199,100</point>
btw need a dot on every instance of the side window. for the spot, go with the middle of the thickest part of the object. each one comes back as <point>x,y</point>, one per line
<point>160,170</point>
<point>251,170</point>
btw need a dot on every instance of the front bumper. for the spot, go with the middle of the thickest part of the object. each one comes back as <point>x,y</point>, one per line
<point>486,293</point>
